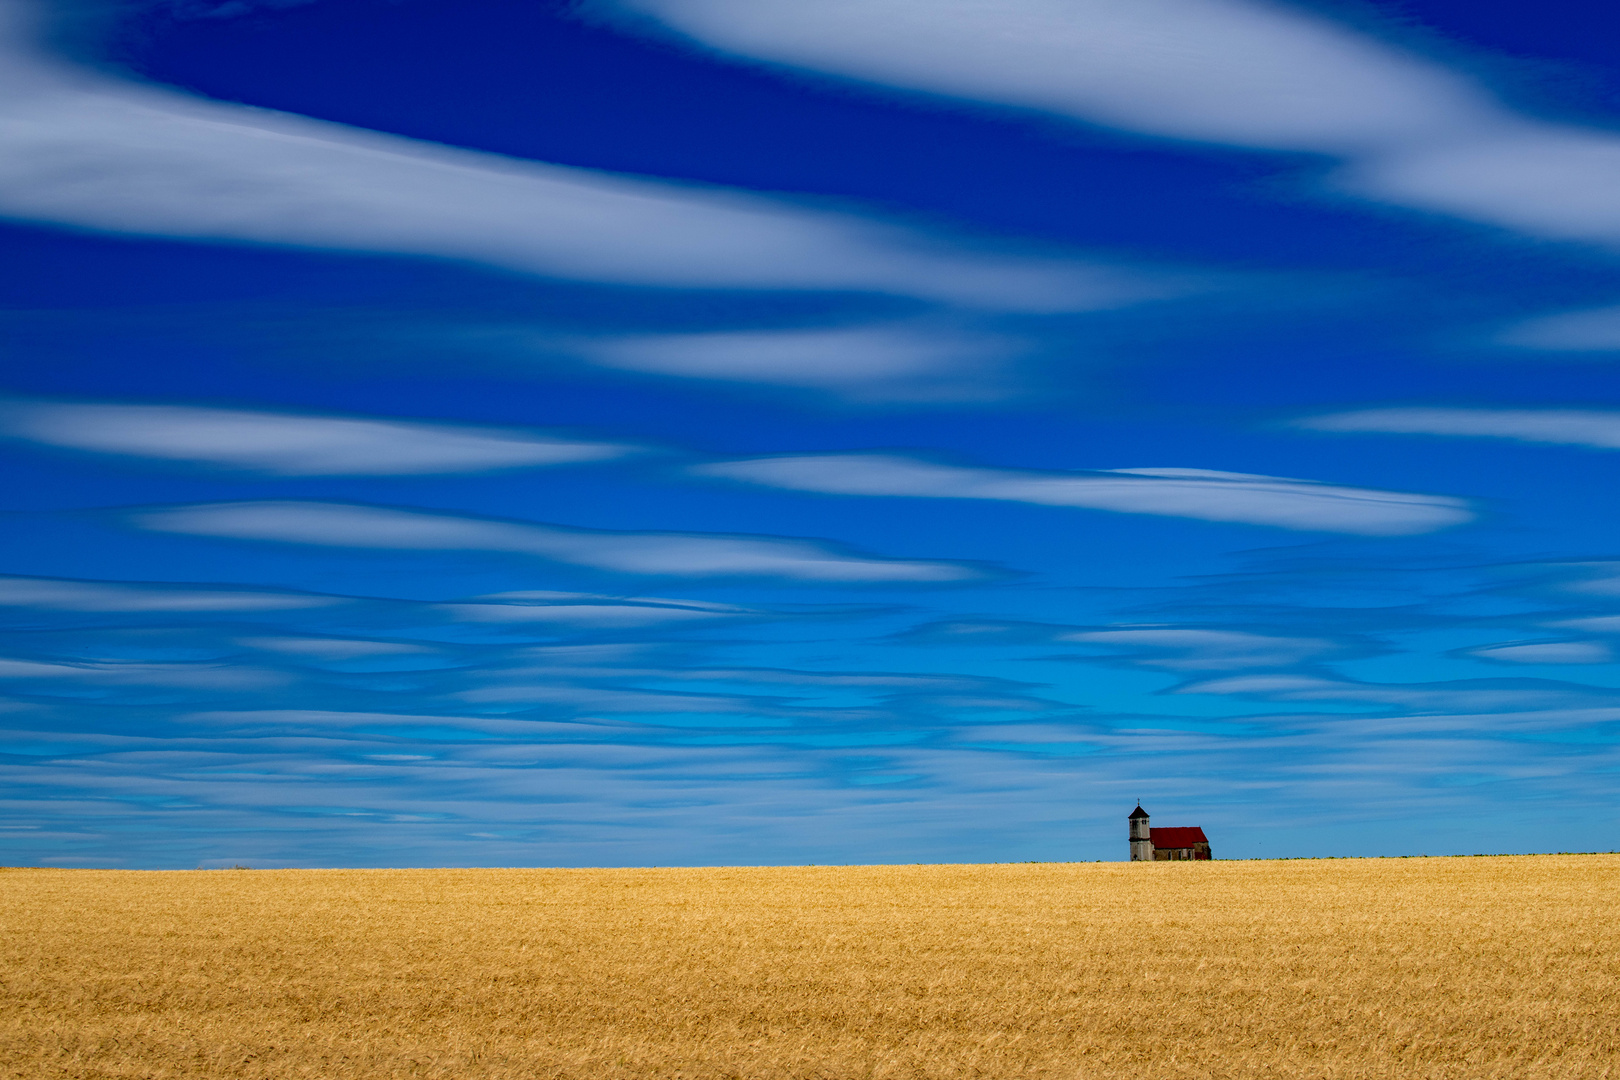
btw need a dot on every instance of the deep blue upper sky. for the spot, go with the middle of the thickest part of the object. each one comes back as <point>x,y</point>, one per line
<point>692,431</point>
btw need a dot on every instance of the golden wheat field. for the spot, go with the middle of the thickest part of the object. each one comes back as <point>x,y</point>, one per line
<point>1409,968</point>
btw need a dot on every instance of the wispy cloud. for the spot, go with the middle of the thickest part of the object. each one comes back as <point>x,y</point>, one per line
<point>545,596</point>
<point>675,554</point>
<point>201,676</point>
<point>104,596</point>
<point>1247,74</point>
<point>89,151</point>
<point>1537,178</point>
<point>290,444</point>
<point>589,610</point>
<point>1233,72</point>
<point>222,9</point>
<point>616,700</point>
<point>900,360</point>
<point>1480,695</point>
<point>1592,330</point>
<point>1195,493</point>
<point>1547,652</point>
<point>1573,427</point>
<point>1600,578</point>
<point>334,648</point>
<point>1197,648</point>
<point>359,659</point>
<point>1592,624</point>
<point>363,725</point>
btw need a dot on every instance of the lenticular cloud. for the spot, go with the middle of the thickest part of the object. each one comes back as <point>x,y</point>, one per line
<point>1599,429</point>
<point>1227,71</point>
<point>1238,73</point>
<point>63,594</point>
<point>290,444</point>
<point>1194,493</point>
<point>674,554</point>
<point>88,151</point>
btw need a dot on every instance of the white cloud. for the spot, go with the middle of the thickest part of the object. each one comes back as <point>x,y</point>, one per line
<point>333,648</point>
<point>609,700</point>
<point>1592,330</point>
<point>1247,74</point>
<point>1537,178</point>
<point>1476,725</point>
<point>1574,427</point>
<point>1434,697</point>
<point>289,444</point>
<point>1548,652</point>
<point>1243,73</point>
<point>222,9</point>
<point>604,616</point>
<point>550,595</point>
<point>594,657</point>
<point>356,723</point>
<point>1594,624</point>
<point>1191,648</point>
<point>125,674</point>
<point>896,360</point>
<point>619,663</point>
<point>875,680</point>
<point>1604,579</point>
<point>89,151</point>
<point>60,595</point>
<point>1196,493</point>
<point>678,554</point>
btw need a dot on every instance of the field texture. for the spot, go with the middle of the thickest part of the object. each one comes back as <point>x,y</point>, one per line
<point>1409,968</point>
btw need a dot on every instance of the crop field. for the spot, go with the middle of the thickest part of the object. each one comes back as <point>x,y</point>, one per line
<point>1400,968</point>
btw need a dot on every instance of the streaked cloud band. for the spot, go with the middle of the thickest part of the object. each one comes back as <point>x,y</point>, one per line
<point>1194,493</point>
<point>1595,428</point>
<point>87,151</point>
<point>1589,330</point>
<point>1254,75</point>
<point>59,594</point>
<point>676,554</point>
<point>289,444</point>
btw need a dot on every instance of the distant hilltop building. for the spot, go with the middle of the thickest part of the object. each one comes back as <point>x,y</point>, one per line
<point>1158,845</point>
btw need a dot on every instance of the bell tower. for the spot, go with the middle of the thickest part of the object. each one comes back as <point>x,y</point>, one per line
<point>1141,836</point>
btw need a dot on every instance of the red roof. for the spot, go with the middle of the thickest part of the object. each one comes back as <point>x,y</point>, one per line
<point>1182,837</point>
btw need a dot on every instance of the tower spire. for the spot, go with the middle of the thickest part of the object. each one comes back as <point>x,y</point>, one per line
<point>1141,836</point>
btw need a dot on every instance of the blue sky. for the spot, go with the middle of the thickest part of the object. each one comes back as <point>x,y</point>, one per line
<point>518,432</point>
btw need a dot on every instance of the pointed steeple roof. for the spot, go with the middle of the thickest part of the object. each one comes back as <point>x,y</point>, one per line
<point>1138,813</point>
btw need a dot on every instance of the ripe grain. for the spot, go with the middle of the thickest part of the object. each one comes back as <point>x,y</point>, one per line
<point>1397,968</point>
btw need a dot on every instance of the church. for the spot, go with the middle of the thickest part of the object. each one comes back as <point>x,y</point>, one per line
<point>1160,845</point>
